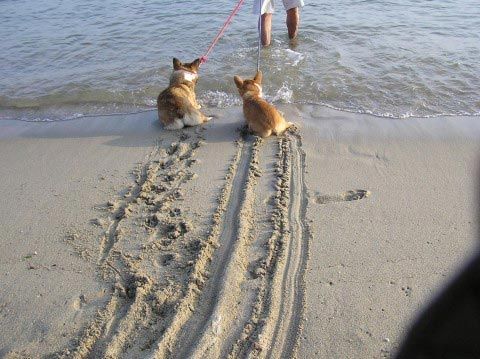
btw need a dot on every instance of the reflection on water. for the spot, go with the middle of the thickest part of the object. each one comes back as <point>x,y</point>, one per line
<point>390,58</point>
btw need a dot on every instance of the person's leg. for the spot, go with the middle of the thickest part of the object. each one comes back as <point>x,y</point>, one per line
<point>293,18</point>
<point>266,29</point>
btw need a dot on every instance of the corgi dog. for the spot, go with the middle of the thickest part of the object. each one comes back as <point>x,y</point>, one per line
<point>177,105</point>
<point>262,118</point>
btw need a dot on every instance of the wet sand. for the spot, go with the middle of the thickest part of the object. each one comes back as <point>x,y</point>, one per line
<point>120,239</point>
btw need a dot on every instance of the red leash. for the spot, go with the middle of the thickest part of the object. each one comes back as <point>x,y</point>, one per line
<point>204,58</point>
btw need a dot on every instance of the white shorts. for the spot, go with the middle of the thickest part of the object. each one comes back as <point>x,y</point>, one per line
<point>268,6</point>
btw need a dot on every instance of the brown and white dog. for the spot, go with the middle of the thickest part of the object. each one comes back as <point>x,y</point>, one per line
<point>262,118</point>
<point>177,105</point>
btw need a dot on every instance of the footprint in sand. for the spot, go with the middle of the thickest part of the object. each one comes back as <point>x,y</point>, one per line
<point>352,195</point>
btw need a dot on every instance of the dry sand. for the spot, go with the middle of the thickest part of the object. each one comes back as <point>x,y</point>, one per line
<point>121,240</point>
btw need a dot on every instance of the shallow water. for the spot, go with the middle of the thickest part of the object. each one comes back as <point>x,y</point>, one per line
<point>390,58</point>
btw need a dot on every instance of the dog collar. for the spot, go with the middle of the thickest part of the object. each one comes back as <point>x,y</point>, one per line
<point>188,75</point>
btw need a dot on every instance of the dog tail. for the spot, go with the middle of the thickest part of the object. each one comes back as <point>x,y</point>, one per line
<point>194,117</point>
<point>283,127</point>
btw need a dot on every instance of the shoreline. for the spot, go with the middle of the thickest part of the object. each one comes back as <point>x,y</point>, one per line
<point>85,196</point>
<point>73,115</point>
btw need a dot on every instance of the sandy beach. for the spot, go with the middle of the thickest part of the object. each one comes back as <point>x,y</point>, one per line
<point>122,240</point>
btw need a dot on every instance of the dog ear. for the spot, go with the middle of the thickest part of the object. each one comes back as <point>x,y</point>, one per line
<point>238,81</point>
<point>176,64</point>
<point>196,64</point>
<point>258,77</point>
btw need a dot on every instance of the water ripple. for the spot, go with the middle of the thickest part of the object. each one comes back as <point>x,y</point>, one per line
<point>395,58</point>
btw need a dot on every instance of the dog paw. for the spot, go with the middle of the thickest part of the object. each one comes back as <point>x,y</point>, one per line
<point>208,118</point>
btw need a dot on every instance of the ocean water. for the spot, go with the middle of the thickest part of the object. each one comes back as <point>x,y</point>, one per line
<point>402,58</point>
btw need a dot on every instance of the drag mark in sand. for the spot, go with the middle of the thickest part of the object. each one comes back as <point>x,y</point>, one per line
<point>211,331</point>
<point>122,209</point>
<point>146,253</point>
<point>275,323</point>
<point>201,270</point>
<point>182,292</point>
<point>292,303</point>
